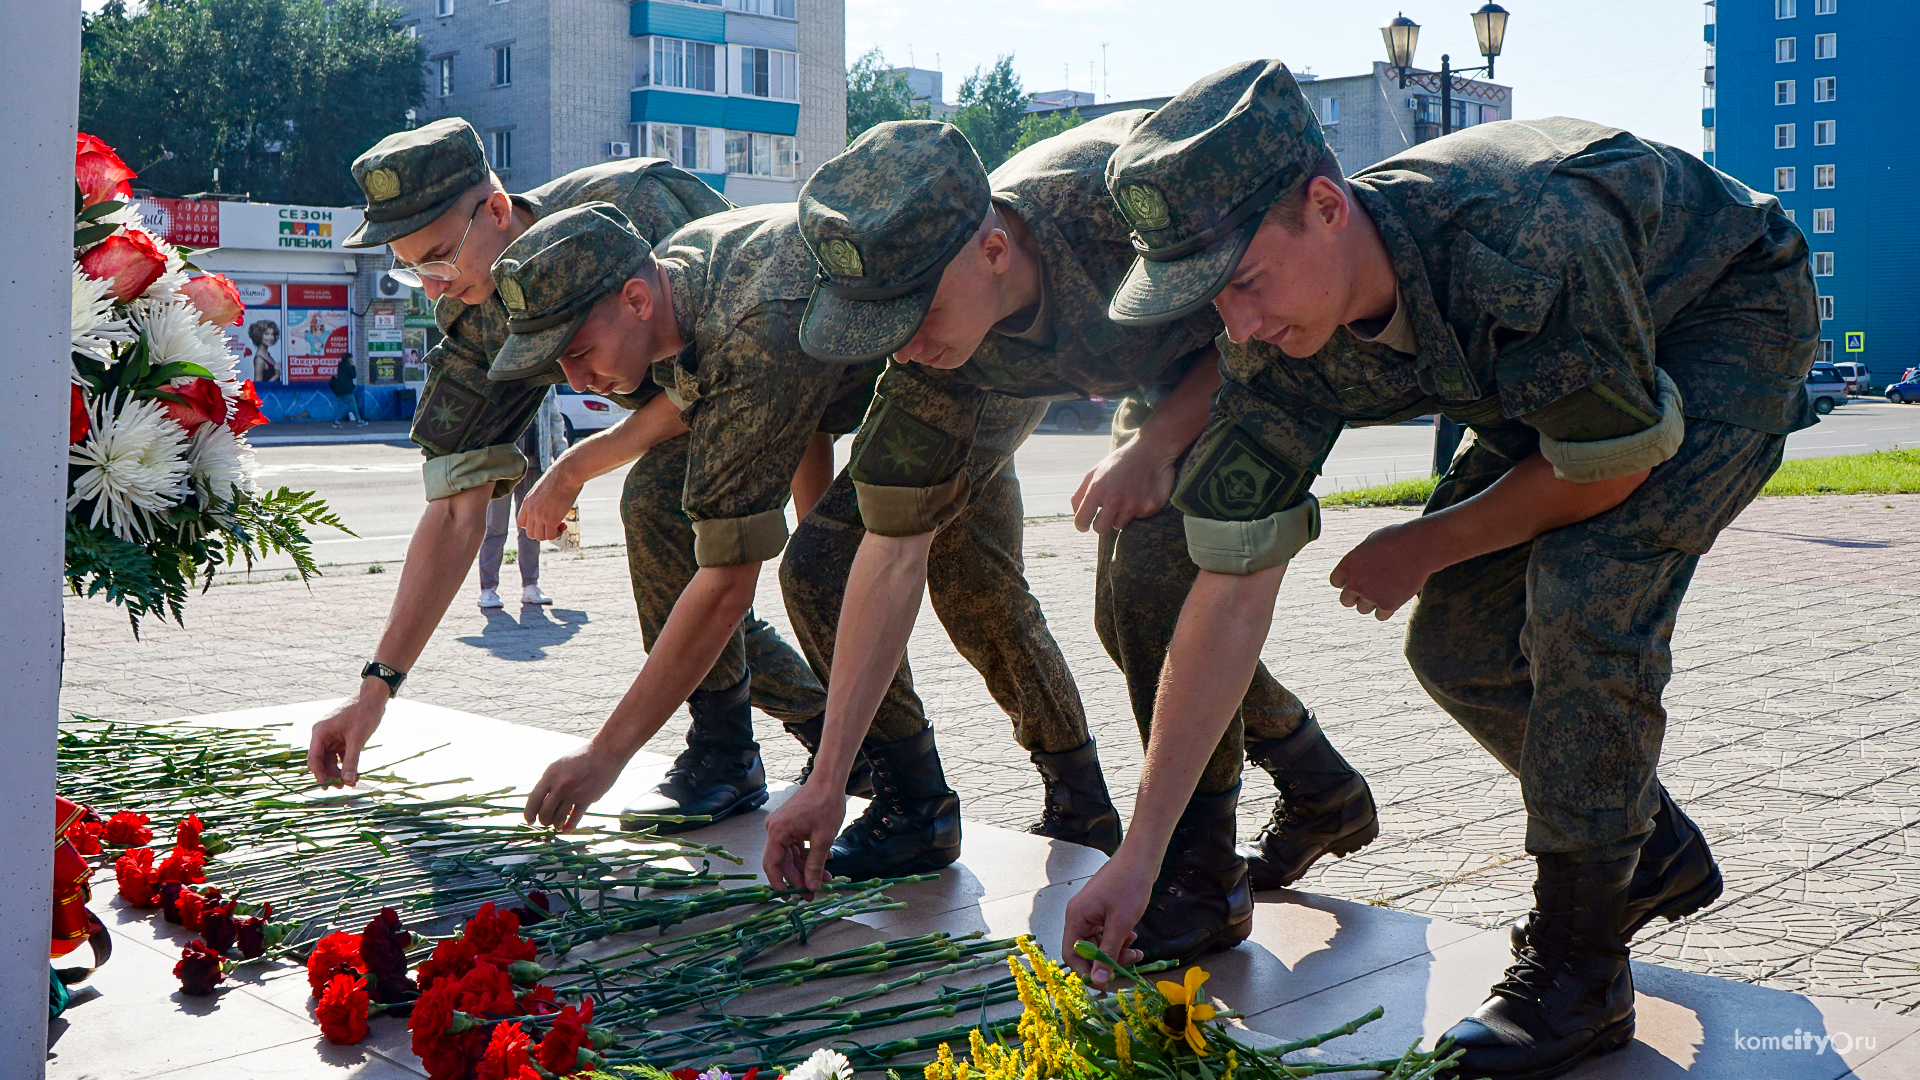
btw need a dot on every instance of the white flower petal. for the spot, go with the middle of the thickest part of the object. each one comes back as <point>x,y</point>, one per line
<point>96,327</point>
<point>134,465</point>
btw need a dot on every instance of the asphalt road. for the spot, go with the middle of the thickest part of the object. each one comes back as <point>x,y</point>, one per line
<point>375,487</point>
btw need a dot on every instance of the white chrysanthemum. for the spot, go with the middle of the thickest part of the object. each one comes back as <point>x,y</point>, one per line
<point>134,465</point>
<point>825,1064</point>
<point>220,465</point>
<point>175,332</point>
<point>95,327</point>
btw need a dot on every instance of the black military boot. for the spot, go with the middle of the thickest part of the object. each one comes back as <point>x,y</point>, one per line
<point>719,773</point>
<point>1676,875</point>
<point>859,778</point>
<point>1201,901</point>
<point>1078,809</point>
<point>1569,994</point>
<point>912,826</point>
<point>1324,807</point>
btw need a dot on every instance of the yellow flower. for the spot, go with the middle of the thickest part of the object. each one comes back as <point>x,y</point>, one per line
<point>1182,1017</point>
<point>1122,1046</point>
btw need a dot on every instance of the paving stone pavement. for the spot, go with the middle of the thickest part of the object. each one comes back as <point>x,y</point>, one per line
<point>1793,733</point>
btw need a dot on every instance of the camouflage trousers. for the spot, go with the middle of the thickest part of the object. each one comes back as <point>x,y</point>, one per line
<point>660,560</point>
<point>1141,583</point>
<point>1554,654</point>
<point>976,578</point>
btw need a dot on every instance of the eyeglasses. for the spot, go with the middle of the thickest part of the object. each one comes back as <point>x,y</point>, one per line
<point>448,269</point>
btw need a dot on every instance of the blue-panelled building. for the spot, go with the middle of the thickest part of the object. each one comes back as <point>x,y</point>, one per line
<point>749,94</point>
<point>1806,99</point>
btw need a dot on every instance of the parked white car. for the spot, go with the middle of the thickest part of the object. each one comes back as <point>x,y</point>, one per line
<point>585,413</point>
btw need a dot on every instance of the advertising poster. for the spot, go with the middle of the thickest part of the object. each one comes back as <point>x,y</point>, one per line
<point>384,348</point>
<point>318,334</point>
<point>260,339</point>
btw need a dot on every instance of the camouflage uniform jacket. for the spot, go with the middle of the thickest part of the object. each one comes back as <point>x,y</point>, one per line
<point>1057,187</point>
<point>751,399</point>
<point>1539,265</point>
<point>467,423</point>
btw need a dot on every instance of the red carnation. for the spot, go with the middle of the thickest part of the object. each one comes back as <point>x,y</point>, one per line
<point>336,954</point>
<point>688,1073</point>
<point>130,260</point>
<point>170,901</point>
<point>246,410</point>
<point>203,404</point>
<point>343,1010</point>
<point>486,991</point>
<point>383,948</point>
<point>218,927</point>
<point>251,934</point>
<point>128,829</point>
<point>447,1054</point>
<point>507,1053</point>
<point>185,867</point>
<point>216,297</point>
<point>190,905</point>
<point>186,831</point>
<point>537,908</point>
<point>450,960</point>
<point>137,878</point>
<point>79,422</point>
<point>560,1050</point>
<point>539,1001</point>
<point>511,948</point>
<point>86,835</point>
<point>99,171</point>
<point>489,927</point>
<point>198,970</point>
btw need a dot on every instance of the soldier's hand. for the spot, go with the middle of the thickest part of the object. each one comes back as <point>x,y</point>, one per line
<point>544,512</point>
<point>1105,911</point>
<point>333,750</point>
<point>1384,571</point>
<point>1132,482</point>
<point>570,785</point>
<point>798,836</point>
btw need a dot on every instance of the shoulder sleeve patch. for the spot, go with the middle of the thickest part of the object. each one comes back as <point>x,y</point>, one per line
<point>447,412</point>
<point>904,451</point>
<point>1236,477</point>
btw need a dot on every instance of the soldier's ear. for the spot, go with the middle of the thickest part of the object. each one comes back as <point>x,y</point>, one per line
<point>636,296</point>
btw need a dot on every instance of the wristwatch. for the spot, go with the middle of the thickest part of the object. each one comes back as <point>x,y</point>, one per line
<point>385,674</point>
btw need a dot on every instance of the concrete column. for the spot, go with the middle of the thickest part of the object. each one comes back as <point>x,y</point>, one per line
<point>39,100</point>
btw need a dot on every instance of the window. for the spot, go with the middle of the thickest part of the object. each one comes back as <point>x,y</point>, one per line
<point>1825,132</point>
<point>1826,352</point>
<point>1783,136</point>
<point>503,65</point>
<point>1783,178</point>
<point>446,75</point>
<point>752,153</point>
<point>768,73</point>
<point>1706,97</point>
<point>443,8</point>
<point>1706,140</point>
<point>1823,219</point>
<point>1823,176</point>
<point>1826,307</point>
<point>1825,7</point>
<point>413,31</point>
<point>1792,216</point>
<point>1785,9</point>
<point>685,145</point>
<point>1826,89</point>
<point>1826,46</point>
<point>1823,264</point>
<point>502,150</point>
<point>781,8</point>
<point>1329,110</point>
<point>1786,50</point>
<point>1489,113</point>
<point>686,65</point>
<point>1784,92</point>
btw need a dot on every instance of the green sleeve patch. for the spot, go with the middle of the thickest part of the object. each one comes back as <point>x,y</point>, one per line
<point>1236,477</point>
<point>904,451</point>
<point>445,415</point>
<point>1595,412</point>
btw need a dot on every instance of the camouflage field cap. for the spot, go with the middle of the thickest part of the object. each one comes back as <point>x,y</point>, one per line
<point>1193,179</point>
<point>883,220</point>
<point>412,177</point>
<point>550,278</point>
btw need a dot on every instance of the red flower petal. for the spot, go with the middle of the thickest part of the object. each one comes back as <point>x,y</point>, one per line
<point>78,424</point>
<point>99,171</point>
<point>216,297</point>
<point>246,410</point>
<point>130,260</point>
<point>343,1010</point>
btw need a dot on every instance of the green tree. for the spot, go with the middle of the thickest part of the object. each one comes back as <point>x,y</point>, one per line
<point>1037,126</point>
<point>877,93</point>
<point>990,108</point>
<point>278,95</point>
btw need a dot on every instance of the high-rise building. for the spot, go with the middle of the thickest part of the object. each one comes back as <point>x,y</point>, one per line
<point>1802,100</point>
<point>749,94</point>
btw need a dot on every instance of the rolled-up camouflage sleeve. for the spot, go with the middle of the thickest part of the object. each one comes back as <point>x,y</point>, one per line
<point>466,423</point>
<point>906,465</point>
<point>1245,489</point>
<point>758,404</point>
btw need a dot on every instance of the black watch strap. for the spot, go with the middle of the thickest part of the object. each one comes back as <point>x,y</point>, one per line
<point>385,674</point>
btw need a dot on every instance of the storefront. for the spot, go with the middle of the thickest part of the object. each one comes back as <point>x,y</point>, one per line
<point>310,303</point>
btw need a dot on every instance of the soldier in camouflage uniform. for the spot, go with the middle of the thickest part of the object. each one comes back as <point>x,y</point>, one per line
<point>903,223</point>
<point>431,196</point>
<point>1623,329</point>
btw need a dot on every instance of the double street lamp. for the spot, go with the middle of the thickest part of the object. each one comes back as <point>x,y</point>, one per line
<point>1402,35</point>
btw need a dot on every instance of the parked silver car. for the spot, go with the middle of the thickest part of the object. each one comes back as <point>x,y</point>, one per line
<point>1826,388</point>
<point>1859,377</point>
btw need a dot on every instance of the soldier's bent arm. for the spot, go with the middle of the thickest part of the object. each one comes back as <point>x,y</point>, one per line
<point>544,513</point>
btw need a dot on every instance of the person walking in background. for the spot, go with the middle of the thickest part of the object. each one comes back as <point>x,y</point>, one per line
<point>544,440</point>
<point>341,384</point>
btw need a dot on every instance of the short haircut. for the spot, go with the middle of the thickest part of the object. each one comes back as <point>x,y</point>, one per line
<point>1290,211</point>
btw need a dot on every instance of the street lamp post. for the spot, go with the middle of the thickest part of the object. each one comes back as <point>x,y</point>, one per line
<point>1401,36</point>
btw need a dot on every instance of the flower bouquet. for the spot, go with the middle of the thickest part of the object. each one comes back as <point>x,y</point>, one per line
<point>160,477</point>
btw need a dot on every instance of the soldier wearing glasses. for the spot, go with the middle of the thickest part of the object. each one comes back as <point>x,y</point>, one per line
<point>433,200</point>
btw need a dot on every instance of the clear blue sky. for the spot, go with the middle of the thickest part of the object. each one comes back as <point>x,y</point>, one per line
<point>1629,63</point>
